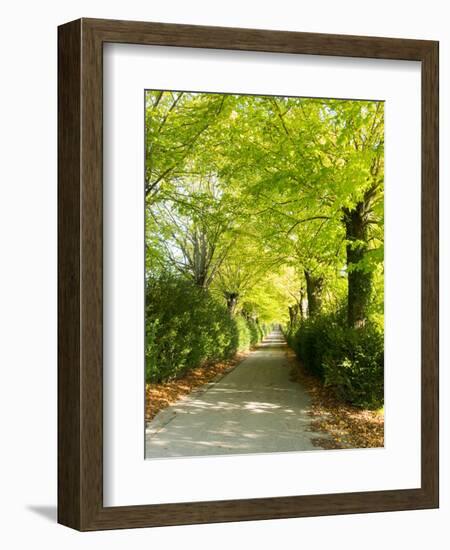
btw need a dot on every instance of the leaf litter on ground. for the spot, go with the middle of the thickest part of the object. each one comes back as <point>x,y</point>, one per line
<point>161,395</point>
<point>349,427</point>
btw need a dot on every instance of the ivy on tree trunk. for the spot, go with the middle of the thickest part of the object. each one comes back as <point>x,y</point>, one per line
<point>359,278</point>
<point>314,292</point>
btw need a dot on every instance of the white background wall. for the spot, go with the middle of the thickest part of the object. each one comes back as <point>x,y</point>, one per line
<point>28,273</point>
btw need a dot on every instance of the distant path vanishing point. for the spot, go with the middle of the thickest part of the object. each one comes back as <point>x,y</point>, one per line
<point>255,408</point>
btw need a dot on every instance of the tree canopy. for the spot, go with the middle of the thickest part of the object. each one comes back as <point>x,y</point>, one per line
<point>272,204</point>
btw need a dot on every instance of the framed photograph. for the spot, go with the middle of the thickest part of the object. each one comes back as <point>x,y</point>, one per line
<point>248,274</point>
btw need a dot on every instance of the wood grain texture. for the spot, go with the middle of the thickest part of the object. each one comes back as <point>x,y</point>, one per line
<point>80,263</point>
<point>69,248</point>
<point>430,273</point>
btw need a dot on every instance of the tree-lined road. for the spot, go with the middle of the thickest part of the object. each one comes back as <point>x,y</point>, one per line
<point>255,408</point>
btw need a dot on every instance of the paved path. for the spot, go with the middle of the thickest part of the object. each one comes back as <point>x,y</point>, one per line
<point>255,408</point>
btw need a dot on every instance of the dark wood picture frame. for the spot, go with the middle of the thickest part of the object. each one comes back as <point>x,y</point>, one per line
<point>80,273</point>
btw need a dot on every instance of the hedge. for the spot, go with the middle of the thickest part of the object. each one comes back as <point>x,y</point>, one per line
<point>186,326</point>
<point>350,361</point>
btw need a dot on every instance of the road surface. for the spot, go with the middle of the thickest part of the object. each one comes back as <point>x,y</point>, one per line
<point>255,408</point>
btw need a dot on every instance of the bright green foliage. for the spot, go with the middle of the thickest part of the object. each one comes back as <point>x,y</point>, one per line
<point>186,327</point>
<point>244,334</point>
<point>355,370</point>
<point>263,210</point>
<point>350,361</point>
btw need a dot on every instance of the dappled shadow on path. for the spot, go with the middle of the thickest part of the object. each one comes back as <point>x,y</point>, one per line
<point>274,340</point>
<point>256,408</point>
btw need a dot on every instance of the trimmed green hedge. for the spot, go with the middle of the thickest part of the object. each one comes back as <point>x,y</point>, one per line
<point>350,361</point>
<point>186,327</point>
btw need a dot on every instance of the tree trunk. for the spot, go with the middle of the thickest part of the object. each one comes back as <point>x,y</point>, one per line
<point>200,280</point>
<point>232,301</point>
<point>293,314</point>
<point>302,306</point>
<point>314,290</point>
<point>359,280</point>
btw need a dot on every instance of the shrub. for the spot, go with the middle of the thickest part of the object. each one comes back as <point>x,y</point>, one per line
<point>350,361</point>
<point>261,330</point>
<point>243,341</point>
<point>186,326</point>
<point>356,372</point>
<point>312,340</point>
<point>255,335</point>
